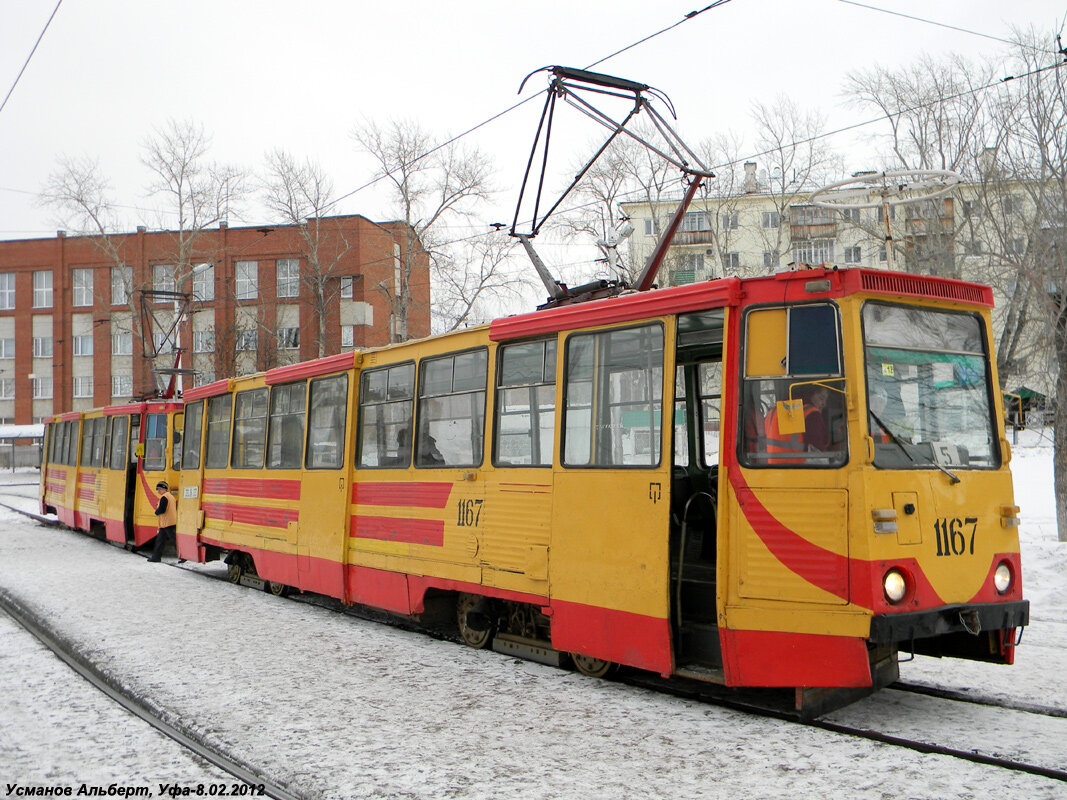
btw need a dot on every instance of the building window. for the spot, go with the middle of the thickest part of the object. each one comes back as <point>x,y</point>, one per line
<point>121,285</point>
<point>121,385</point>
<point>7,348</point>
<point>42,346</point>
<point>83,287</point>
<point>346,286</point>
<point>695,221</point>
<point>7,388</point>
<point>162,343</point>
<point>770,259</point>
<point>771,219</point>
<point>1011,204</point>
<point>83,345</point>
<point>83,386</point>
<point>811,215</point>
<point>881,253</point>
<point>972,247</point>
<point>687,268</point>
<point>121,344</point>
<point>853,255</point>
<point>651,227</point>
<point>204,282</point>
<point>729,222</point>
<point>246,341</point>
<point>881,213</point>
<point>163,280</point>
<point>203,378</point>
<point>732,260</point>
<point>246,275</point>
<point>7,291</point>
<point>288,277</point>
<point>289,338</point>
<point>42,388</point>
<point>348,336</point>
<point>1017,246</point>
<point>851,215</point>
<point>42,289</point>
<point>203,341</point>
<point>815,251</point>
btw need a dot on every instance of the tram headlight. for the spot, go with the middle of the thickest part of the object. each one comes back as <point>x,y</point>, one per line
<point>1002,577</point>
<point>895,586</point>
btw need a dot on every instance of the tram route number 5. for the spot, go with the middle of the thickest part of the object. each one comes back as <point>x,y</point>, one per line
<point>469,512</point>
<point>952,535</point>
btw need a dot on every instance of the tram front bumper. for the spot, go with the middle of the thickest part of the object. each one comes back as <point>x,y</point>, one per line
<point>970,618</point>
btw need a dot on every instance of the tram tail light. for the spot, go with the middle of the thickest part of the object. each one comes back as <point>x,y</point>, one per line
<point>1009,516</point>
<point>1002,577</point>
<point>885,520</point>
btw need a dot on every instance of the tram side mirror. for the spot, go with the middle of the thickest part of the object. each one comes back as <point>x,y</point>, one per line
<point>791,416</point>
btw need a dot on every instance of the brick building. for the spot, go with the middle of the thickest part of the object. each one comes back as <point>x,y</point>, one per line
<point>70,321</point>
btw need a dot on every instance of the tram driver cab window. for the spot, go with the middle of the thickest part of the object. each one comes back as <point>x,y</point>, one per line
<point>793,412</point>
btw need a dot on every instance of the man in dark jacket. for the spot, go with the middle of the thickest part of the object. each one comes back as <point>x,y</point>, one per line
<point>166,519</point>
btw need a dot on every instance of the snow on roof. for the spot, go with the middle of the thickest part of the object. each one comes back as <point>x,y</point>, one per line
<point>21,431</point>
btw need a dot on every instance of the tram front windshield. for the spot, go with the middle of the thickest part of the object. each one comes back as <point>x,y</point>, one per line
<point>928,390</point>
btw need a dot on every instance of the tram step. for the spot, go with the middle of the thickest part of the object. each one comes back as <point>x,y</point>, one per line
<point>252,580</point>
<point>530,649</point>
<point>700,644</point>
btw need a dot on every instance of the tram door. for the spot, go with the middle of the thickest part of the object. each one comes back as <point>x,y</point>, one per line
<point>610,512</point>
<point>694,487</point>
<point>325,484</point>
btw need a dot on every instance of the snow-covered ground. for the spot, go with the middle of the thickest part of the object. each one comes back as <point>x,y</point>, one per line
<point>343,708</point>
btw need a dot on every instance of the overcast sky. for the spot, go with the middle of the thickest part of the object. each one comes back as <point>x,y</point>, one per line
<point>264,74</point>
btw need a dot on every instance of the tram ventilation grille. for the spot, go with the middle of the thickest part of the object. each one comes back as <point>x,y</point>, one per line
<point>925,287</point>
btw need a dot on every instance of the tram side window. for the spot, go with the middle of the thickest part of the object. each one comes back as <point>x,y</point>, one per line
<point>194,424</point>
<point>793,412</point>
<point>249,429</point>
<point>71,456</point>
<point>526,405</point>
<point>614,398</point>
<point>452,410</point>
<point>328,402</point>
<point>87,442</point>
<point>119,431</point>
<point>176,448</point>
<point>95,433</point>
<point>218,431</point>
<point>285,438</point>
<point>386,407</point>
<point>155,442</point>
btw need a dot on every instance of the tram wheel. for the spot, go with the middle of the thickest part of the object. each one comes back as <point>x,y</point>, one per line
<point>472,637</point>
<point>594,667</point>
<point>277,589</point>
<point>233,573</point>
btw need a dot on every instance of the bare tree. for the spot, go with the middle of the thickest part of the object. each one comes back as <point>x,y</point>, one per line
<point>301,194</point>
<point>432,183</point>
<point>197,194</point>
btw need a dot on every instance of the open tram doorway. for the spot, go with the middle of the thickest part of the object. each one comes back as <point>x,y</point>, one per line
<point>694,489</point>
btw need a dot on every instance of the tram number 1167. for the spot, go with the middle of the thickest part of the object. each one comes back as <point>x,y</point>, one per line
<point>952,539</point>
<point>469,513</point>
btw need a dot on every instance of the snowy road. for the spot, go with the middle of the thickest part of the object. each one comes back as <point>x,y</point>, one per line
<point>343,708</point>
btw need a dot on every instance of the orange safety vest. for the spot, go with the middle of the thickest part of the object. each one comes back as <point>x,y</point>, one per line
<point>778,442</point>
<point>170,513</point>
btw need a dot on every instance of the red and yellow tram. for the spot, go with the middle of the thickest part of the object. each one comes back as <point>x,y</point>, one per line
<point>101,466</point>
<point>604,480</point>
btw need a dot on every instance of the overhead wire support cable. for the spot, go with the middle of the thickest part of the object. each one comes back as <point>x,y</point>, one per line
<point>941,25</point>
<point>27,62</point>
<point>509,109</point>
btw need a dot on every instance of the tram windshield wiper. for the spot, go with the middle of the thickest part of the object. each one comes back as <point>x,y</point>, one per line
<point>901,444</point>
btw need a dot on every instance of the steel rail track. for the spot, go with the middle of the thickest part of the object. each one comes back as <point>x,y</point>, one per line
<point>978,700</point>
<point>719,696</point>
<point>134,704</point>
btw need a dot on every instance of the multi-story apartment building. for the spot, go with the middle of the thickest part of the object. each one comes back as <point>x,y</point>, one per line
<point>71,321</point>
